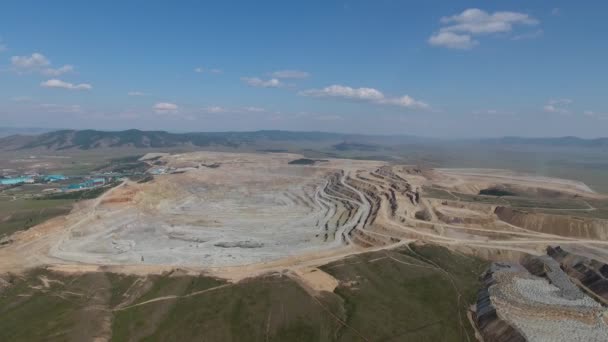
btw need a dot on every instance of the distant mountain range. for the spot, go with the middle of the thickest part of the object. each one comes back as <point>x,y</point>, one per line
<point>8,131</point>
<point>93,139</point>
<point>555,142</point>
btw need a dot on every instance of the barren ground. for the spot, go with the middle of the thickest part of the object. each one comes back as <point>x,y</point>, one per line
<point>236,216</point>
<point>256,211</point>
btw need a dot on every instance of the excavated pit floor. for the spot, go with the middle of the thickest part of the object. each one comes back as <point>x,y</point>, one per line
<point>217,210</point>
<point>250,209</point>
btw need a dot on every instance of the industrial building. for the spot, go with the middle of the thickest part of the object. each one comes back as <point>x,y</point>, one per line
<point>16,180</point>
<point>54,178</point>
<point>87,184</point>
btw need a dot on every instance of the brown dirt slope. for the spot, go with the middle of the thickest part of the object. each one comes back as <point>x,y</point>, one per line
<point>555,224</point>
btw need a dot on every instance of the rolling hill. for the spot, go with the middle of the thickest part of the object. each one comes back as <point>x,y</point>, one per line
<point>93,139</point>
<point>553,142</point>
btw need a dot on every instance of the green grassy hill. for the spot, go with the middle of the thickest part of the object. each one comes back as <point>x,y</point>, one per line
<point>396,295</point>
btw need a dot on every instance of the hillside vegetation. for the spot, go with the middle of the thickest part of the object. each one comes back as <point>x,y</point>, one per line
<point>90,139</point>
<point>410,294</point>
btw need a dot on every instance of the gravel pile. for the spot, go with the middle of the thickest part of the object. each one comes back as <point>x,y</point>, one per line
<point>544,330</point>
<point>558,278</point>
<point>540,291</point>
<point>548,308</point>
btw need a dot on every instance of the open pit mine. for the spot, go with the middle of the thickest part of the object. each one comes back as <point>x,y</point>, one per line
<point>235,216</point>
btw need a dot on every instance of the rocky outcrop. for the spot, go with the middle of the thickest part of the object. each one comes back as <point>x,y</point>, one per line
<point>536,301</point>
<point>490,325</point>
<point>455,219</point>
<point>423,215</point>
<point>548,268</point>
<point>590,273</point>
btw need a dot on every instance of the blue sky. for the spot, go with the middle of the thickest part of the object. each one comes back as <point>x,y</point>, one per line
<point>430,68</point>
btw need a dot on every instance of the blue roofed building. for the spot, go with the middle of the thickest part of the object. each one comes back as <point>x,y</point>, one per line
<point>16,180</point>
<point>54,178</point>
<point>87,184</point>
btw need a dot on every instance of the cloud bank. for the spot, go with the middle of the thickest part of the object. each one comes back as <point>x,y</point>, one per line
<point>55,83</point>
<point>260,83</point>
<point>459,30</point>
<point>369,95</point>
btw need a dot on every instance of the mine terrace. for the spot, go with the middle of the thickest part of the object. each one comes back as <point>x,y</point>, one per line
<point>237,215</point>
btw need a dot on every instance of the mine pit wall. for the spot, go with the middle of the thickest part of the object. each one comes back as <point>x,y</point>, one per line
<point>387,172</point>
<point>481,207</point>
<point>591,274</point>
<point>463,220</point>
<point>349,198</point>
<point>491,326</point>
<point>372,178</point>
<point>336,194</point>
<point>483,221</point>
<point>369,239</point>
<point>381,195</point>
<point>563,225</point>
<point>546,267</point>
<point>335,187</point>
<point>493,254</point>
<point>371,194</point>
<point>502,313</point>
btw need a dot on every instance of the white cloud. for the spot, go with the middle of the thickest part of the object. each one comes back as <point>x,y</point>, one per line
<point>200,70</point>
<point>254,109</point>
<point>476,21</point>
<point>215,109</point>
<point>405,101</point>
<point>557,106</point>
<point>366,95</point>
<point>165,108</point>
<point>220,109</point>
<point>260,83</point>
<point>550,109</point>
<point>35,61</point>
<point>290,74</point>
<point>57,71</point>
<point>452,40</point>
<point>136,93</point>
<point>458,30</point>
<point>55,83</point>
<point>595,115</point>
